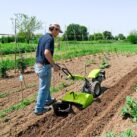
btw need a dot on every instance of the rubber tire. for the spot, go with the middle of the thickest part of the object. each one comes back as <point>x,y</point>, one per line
<point>88,90</point>
<point>96,88</point>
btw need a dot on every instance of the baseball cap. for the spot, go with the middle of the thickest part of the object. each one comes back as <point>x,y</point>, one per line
<point>56,26</point>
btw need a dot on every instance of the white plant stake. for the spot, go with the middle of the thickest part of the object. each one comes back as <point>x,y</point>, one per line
<point>21,79</point>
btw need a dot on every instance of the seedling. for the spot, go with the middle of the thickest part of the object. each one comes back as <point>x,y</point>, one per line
<point>130,109</point>
<point>88,62</point>
<point>104,64</point>
<point>21,64</point>
<point>2,95</point>
<point>135,88</point>
<point>127,133</point>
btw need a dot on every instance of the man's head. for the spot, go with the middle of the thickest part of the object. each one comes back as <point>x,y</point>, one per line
<point>55,29</point>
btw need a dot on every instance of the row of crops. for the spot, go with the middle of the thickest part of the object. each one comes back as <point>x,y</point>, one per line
<point>12,48</point>
<point>129,110</point>
<point>19,56</point>
<point>66,51</point>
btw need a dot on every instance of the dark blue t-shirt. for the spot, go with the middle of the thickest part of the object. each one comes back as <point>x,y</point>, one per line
<point>45,42</point>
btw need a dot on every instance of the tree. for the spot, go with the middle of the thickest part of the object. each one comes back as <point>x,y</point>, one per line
<point>116,38</point>
<point>107,35</point>
<point>91,37</point>
<point>132,37</point>
<point>27,25</point>
<point>121,37</point>
<point>98,36</point>
<point>75,32</point>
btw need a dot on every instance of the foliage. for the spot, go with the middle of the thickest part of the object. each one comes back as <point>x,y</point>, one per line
<point>127,133</point>
<point>98,36</point>
<point>104,64</point>
<point>107,35</point>
<point>91,37</point>
<point>27,25</point>
<point>36,38</point>
<point>135,88</point>
<point>88,62</point>
<point>21,38</point>
<point>4,67</point>
<point>130,109</point>
<point>2,95</point>
<point>106,41</point>
<point>121,37</point>
<point>25,102</point>
<point>17,106</point>
<point>70,50</point>
<point>7,39</point>
<point>75,32</point>
<point>59,87</point>
<point>21,65</point>
<point>16,48</point>
<point>132,37</point>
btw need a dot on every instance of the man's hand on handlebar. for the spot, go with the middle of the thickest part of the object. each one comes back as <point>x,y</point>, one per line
<point>56,67</point>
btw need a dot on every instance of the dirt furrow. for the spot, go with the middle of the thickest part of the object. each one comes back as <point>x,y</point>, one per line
<point>74,123</point>
<point>95,128</point>
<point>16,97</point>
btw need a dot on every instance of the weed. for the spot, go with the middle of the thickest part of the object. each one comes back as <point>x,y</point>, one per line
<point>130,109</point>
<point>2,95</point>
<point>127,133</point>
<point>104,64</point>
<point>18,106</point>
<point>88,62</point>
<point>135,88</point>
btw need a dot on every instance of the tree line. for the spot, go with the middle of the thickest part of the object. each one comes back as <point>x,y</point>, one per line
<point>25,27</point>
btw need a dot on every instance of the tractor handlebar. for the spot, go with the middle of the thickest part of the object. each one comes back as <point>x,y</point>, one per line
<point>65,71</point>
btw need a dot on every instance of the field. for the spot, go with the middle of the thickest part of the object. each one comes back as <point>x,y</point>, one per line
<point>103,115</point>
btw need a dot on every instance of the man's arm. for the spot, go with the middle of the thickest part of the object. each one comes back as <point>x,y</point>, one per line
<point>49,57</point>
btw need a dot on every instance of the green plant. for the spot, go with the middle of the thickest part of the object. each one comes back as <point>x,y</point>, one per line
<point>88,62</point>
<point>135,88</point>
<point>127,133</point>
<point>132,37</point>
<point>21,65</point>
<point>4,67</point>
<point>17,106</point>
<point>59,87</point>
<point>72,50</point>
<point>2,95</point>
<point>104,64</point>
<point>130,109</point>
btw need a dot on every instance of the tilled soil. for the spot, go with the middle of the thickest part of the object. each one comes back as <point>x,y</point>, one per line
<point>120,77</point>
<point>90,121</point>
<point>120,123</point>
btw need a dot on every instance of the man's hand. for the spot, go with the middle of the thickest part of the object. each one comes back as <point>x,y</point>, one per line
<point>56,67</point>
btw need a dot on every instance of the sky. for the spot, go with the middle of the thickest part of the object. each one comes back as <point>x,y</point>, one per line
<point>117,16</point>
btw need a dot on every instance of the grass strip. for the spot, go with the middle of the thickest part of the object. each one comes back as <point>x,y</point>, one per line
<point>25,102</point>
<point>18,106</point>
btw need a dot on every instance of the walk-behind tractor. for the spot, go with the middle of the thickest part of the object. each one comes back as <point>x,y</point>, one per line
<point>90,90</point>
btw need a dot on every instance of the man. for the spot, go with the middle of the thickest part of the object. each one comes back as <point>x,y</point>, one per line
<point>44,63</point>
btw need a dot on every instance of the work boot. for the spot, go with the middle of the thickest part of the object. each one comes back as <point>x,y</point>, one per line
<point>45,109</point>
<point>48,103</point>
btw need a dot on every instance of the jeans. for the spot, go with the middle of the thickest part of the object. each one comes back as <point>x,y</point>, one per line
<point>44,74</point>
